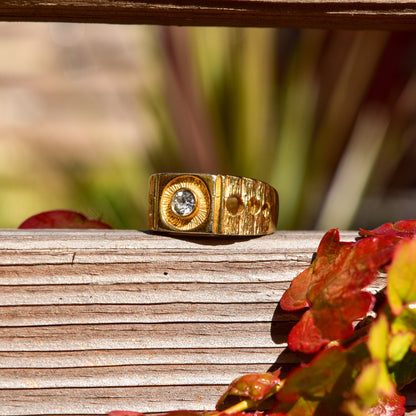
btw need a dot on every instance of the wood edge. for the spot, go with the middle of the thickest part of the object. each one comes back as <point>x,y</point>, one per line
<point>381,15</point>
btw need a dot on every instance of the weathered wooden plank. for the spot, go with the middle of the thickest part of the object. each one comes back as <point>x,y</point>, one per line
<point>139,313</point>
<point>157,268</point>
<point>101,400</point>
<point>149,293</point>
<point>364,14</point>
<point>92,321</point>
<point>78,401</point>
<point>119,357</point>
<point>128,375</point>
<point>138,336</point>
<point>157,252</point>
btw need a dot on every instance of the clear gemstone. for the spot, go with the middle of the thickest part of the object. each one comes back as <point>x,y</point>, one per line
<point>183,202</point>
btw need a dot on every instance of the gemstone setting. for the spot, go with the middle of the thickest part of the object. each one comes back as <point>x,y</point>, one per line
<point>183,202</point>
<point>173,210</point>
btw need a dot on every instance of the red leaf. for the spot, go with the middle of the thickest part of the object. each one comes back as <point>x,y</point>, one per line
<point>392,405</point>
<point>62,219</point>
<point>250,386</point>
<point>124,413</point>
<point>318,327</point>
<point>335,316</point>
<point>305,336</point>
<point>295,297</point>
<point>401,229</point>
<point>332,288</point>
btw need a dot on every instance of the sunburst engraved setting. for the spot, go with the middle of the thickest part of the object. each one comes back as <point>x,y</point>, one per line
<point>199,202</point>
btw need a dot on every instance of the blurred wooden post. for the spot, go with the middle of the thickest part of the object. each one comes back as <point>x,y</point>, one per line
<point>335,14</point>
<point>99,320</point>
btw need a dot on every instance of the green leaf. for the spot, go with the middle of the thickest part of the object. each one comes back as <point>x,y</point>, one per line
<point>321,387</point>
<point>373,381</point>
<point>404,371</point>
<point>406,322</point>
<point>399,345</point>
<point>378,338</point>
<point>330,372</point>
<point>317,379</point>
<point>401,284</point>
<point>300,407</point>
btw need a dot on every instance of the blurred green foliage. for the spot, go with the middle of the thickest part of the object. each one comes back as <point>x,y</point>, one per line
<point>328,118</point>
<point>325,117</point>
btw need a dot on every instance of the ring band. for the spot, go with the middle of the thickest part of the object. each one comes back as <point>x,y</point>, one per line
<point>211,204</point>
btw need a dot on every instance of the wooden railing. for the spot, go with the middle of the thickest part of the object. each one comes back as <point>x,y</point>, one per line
<point>94,321</point>
<point>335,14</point>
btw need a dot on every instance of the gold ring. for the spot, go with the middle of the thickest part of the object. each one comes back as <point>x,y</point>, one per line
<point>211,204</point>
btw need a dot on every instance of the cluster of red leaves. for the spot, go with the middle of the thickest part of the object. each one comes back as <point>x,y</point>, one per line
<point>331,288</point>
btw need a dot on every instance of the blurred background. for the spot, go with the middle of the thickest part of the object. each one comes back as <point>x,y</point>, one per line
<point>88,112</point>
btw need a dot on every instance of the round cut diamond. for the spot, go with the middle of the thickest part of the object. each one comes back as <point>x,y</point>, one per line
<point>183,202</point>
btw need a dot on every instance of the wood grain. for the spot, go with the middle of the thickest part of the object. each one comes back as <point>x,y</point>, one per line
<point>335,14</point>
<point>93,321</point>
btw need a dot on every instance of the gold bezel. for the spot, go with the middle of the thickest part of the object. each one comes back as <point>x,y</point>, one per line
<point>202,209</point>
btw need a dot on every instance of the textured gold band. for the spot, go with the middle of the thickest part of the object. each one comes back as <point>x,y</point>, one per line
<point>211,204</point>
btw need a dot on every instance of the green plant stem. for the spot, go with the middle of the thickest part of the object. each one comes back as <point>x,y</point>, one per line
<point>240,406</point>
<point>247,404</point>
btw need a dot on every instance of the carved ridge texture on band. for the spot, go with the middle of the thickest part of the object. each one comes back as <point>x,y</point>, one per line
<point>211,204</point>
